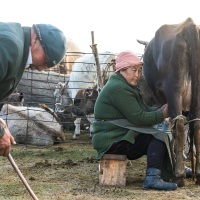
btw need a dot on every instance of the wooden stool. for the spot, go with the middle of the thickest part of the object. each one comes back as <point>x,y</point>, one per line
<point>113,170</point>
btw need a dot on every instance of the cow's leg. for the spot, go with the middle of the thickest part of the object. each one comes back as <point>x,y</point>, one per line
<point>197,145</point>
<point>90,118</point>
<point>77,130</point>
<point>179,146</point>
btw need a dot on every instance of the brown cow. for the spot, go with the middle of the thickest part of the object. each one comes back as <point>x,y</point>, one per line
<point>84,102</point>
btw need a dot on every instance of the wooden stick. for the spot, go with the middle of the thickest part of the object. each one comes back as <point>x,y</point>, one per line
<point>12,162</point>
<point>96,56</point>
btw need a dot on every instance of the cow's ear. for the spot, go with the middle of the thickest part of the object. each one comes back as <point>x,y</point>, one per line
<point>89,92</point>
<point>59,85</point>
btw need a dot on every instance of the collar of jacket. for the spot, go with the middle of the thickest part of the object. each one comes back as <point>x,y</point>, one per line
<point>121,77</point>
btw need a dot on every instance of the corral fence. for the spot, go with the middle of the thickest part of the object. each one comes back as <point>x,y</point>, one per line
<point>38,87</point>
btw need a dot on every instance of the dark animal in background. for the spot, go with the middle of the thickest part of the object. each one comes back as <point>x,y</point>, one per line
<point>84,102</point>
<point>63,109</point>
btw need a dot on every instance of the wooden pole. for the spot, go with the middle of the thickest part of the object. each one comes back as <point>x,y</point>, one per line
<point>96,56</point>
<point>12,162</point>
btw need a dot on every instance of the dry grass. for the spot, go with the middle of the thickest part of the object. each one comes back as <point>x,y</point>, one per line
<point>69,171</point>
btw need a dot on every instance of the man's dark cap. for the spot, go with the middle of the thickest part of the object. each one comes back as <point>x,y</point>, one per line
<point>53,42</point>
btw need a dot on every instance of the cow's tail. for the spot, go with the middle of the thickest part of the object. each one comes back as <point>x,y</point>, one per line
<point>193,43</point>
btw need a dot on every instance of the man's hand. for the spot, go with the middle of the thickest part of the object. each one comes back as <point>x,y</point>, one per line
<point>6,141</point>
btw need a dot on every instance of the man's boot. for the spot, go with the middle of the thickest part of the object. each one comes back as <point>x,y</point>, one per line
<point>154,181</point>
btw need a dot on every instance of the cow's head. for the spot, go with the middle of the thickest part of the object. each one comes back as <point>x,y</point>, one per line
<point>84,101</point>
<point>62,98</point>
<point>15,99</point>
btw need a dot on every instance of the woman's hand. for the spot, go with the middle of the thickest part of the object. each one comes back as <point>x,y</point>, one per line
<point>164,109</point>
<point>6,141</point>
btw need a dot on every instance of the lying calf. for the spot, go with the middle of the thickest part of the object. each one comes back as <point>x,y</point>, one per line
<point>32,125</point>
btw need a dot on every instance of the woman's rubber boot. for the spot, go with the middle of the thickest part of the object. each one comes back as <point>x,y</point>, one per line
<point>153,181</point>
<point>188,172</point>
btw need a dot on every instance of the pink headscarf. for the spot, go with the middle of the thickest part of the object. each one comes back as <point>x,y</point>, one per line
<point>126,59</point>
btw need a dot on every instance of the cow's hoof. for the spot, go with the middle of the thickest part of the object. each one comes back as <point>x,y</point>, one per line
<point>74,138</point>
<point>180,181</point>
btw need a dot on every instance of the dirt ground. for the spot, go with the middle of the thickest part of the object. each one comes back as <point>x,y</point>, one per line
<point>69,171</point>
